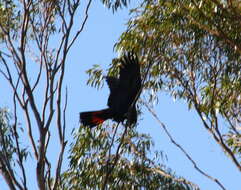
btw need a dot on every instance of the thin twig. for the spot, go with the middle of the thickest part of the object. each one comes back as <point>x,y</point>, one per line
<point>16,136</point>
<point>82,26</point>
<point>63,144</point>
<point>7,176</point>
<point>109,154</point>
<point>116,158</point>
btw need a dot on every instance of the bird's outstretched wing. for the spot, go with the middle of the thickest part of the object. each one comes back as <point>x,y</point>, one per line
<point>123,91</point>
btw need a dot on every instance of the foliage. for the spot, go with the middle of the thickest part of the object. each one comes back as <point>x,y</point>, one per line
<point>12,156</point>
<point>193,51</point>
<point>110,157</point>
<point>9,17</point>
<point>115,4</point>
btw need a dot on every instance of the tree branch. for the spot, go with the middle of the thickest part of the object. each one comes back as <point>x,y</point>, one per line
<point>6,175</point>
<point>158,170</point>
<point>182,149</point>
<point>16,136</point>
<point>63,144</point>
<point>116,158</point>
<point>82,26</point>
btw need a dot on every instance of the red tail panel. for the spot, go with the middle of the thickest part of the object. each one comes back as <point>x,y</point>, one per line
<point>94,118</point>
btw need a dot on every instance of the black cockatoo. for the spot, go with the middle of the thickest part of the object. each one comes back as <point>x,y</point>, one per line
<point>123,95</point>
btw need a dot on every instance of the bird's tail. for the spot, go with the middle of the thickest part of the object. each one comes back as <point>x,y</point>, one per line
<point>94,118</point>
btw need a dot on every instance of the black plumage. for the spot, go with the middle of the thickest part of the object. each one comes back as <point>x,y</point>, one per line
<point>124,92</point>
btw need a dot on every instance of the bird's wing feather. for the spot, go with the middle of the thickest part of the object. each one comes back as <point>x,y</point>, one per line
<point>129,84</point>
<point>130,68</point>
<point>112,83</point>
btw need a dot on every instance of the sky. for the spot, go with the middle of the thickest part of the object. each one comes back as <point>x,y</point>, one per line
<point>95,46</point>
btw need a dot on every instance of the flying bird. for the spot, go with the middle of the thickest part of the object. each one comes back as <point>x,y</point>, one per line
<point>124,92</point>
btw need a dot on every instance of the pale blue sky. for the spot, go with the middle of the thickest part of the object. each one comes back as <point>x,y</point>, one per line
<point>95,46</point>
